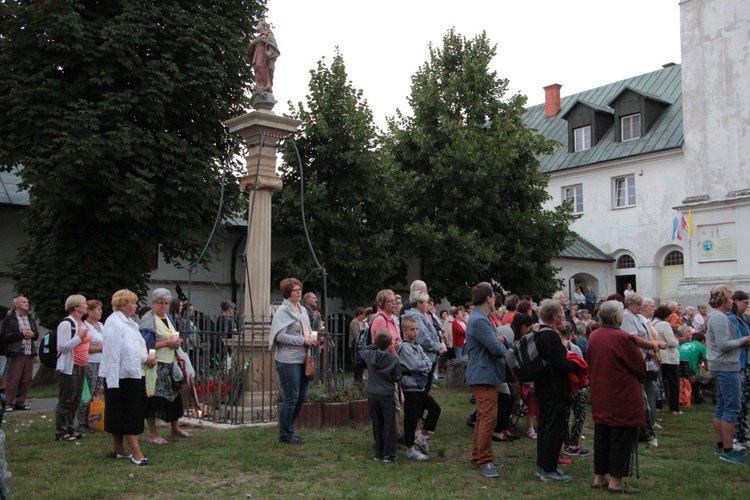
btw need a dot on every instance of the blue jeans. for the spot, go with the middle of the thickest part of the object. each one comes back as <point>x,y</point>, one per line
<point>294,390</point>
<point>459,352</point>
<point>728,397</point>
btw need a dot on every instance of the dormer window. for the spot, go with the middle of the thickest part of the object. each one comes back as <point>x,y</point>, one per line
<point>587,124</point>
<point>631,127</point>
<point>582,138</point>
<point>635,113</point>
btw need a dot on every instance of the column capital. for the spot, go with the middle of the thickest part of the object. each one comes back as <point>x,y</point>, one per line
<point>251,125</point>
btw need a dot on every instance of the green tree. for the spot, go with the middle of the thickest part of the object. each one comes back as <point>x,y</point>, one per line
<point>349,195</point>
<point>114,110</point>
<point>469,163</point>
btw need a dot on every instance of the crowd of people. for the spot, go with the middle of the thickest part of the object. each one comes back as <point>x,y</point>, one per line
<point>638,358</point>
<point>630,358</point>
<point>127,363</point>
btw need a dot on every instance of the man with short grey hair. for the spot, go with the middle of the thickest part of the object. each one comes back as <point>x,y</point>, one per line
<point>632,323</point>
<point>18,331</point>
<point>416,286</point>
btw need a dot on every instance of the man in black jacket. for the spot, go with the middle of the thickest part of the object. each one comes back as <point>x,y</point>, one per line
<point>552,391</point>
<point>19,332</point>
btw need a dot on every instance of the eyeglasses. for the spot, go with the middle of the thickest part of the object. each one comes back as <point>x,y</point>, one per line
<point>162,302</point>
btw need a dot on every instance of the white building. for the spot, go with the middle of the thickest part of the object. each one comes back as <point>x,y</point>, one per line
<point>716,72</point>
<point>620,162</point>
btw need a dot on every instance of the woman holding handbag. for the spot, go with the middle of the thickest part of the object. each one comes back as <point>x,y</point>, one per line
<point>290,334</point>
<point>95,382</point>
<point>164,401</point>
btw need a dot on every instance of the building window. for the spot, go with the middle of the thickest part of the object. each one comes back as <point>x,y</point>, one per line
<point>574,193</point>
<point>582,138</point>
<point>625,192</point>
<point>625,262</point>
<point>674,258</point>
<point>631,127</point>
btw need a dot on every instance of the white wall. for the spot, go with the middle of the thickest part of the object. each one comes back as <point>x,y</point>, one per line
<point>642,231</point>
<point>716,114</point>
<point>715,76</point>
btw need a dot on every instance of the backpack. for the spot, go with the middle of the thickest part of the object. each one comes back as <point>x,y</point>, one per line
<point>48,347</point>
<point>364,339</point>
<point>523,358</point>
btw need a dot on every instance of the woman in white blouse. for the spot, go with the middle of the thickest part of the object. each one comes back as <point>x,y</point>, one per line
<point>122,367</point>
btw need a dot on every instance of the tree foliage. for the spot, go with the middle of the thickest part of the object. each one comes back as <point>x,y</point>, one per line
<point>476,193</point>
<point>349,194</point>
<point>114,109</point>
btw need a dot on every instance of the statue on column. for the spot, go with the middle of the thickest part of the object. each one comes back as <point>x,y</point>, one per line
<point>263,51</point>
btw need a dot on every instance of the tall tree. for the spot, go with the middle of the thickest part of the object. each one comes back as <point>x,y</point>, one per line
<point>349,195</point>
<point>469,162</point>
<point>114,110</point>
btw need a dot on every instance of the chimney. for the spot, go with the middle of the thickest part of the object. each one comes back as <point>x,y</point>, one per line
<point>552,100</point>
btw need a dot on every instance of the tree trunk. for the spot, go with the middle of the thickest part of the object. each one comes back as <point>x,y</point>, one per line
<point>44,377</point>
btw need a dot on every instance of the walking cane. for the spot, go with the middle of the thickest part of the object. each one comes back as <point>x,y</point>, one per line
<point>634,457</point>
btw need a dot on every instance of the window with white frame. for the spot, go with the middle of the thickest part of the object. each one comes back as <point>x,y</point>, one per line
<point>631,127</point>
<point>674,258</point>
<point>574,193</point>
<point>582,138</point>
<point>624,191</point>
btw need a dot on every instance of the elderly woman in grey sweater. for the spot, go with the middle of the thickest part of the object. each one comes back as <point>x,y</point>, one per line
<point>290,334</point>
<point>428,336</point>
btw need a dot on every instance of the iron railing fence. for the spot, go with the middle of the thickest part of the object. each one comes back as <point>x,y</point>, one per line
<point>235,374</point>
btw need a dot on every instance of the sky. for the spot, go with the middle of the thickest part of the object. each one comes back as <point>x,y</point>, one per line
<point>579,44</point>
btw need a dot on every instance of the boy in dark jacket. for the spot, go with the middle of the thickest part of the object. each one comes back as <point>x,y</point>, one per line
<point>383,371</point>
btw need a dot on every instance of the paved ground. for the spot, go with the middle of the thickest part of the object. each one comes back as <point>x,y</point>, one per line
<point>37,405</point>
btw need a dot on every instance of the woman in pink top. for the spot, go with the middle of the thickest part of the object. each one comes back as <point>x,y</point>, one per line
<point>459,331</point>
<point>383,319</point>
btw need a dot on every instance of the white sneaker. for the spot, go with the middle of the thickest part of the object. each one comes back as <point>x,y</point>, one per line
<point>415,454</point>
<point>738,448</point>
<point>421,443</point>
<point>653,442</point>
<point>745,444</point>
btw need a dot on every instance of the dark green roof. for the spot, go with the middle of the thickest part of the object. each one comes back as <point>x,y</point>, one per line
<point>666,133</point>
<point>582,249</point>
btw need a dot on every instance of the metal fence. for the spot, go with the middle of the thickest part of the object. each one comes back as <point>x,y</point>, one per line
<point>235,374</point>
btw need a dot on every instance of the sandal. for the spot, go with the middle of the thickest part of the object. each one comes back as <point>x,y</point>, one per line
<point>183,434</point>
<point>625,490</point>
<point>159,440</point>
<point>64,437</point>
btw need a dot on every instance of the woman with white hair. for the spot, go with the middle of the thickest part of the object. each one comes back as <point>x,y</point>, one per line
<point>164,401</point>
<point>616,371</point>
<point>427,338</point>
<point>71,333</point>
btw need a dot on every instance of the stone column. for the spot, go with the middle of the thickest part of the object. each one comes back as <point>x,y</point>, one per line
<point>256,127</point>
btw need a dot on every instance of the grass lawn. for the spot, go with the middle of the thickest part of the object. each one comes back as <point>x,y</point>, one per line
<point>337,463</point>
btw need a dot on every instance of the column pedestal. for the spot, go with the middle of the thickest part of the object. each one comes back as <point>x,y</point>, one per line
<point>262,131</point>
